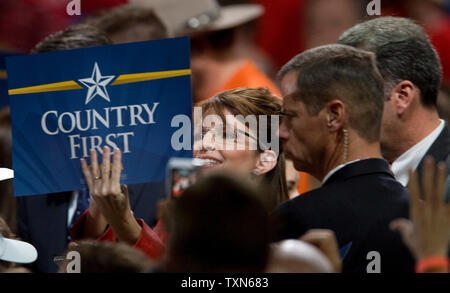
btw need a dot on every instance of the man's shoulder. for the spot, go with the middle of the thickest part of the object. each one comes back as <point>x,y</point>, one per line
<point>314,201</point>
<point>307,198</point>
<point>376,186</point>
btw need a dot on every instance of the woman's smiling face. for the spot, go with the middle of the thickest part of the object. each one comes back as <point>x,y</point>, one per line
<point>225,146</point>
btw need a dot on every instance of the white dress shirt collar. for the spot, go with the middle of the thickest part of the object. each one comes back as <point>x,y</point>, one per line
<point>412,157</point>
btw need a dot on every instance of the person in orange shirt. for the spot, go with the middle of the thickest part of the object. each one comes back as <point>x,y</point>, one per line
<point>220,60</point>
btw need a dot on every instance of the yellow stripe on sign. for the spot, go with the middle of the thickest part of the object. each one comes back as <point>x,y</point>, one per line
<point>137,77</point>
<point>3,74</point>
<point>52,87</point>
<point>122,79</point>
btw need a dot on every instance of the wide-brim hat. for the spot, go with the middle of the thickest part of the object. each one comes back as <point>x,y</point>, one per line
<point>189,17</point>
<point>16,251</point>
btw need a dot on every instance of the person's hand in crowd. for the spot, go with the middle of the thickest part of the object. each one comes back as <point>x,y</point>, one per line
<point>326,242</point>
<point>111,199</point>
<point>95,222</point>
<point>427,234</point>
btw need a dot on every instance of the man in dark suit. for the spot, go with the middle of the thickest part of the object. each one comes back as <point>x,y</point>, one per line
<point>333,103</point>
<point>43,220</point>
<point>410,66</point>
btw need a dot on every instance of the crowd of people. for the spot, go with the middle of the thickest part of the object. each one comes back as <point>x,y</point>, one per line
<point>359,183</point>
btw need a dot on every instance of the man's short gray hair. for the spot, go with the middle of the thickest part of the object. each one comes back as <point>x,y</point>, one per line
<point>403,51</point>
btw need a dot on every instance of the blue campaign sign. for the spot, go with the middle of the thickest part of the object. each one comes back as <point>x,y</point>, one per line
<point>65,103</point>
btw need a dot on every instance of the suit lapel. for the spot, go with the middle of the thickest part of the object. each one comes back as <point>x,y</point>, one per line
<point>439,150</point>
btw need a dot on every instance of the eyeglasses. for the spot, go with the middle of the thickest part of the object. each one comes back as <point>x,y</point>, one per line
<point>230,137</point>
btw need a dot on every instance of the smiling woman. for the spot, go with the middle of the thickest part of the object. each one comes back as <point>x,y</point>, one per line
<point>242,150</point>
<point>266,169</point>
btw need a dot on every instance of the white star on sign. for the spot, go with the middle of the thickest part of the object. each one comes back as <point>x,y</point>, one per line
<point>96,84</point>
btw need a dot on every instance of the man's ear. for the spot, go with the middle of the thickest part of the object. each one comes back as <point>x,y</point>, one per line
<point>403,95</point>
<point>334,112</point>
<point>267,161</point>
